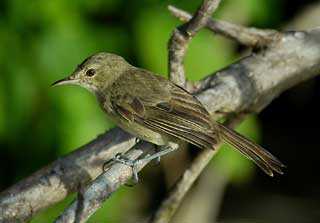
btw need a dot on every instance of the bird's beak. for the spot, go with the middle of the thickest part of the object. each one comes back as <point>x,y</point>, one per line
<point>66,81</point>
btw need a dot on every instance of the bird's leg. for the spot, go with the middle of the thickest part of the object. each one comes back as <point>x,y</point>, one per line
<point>163,151</point>
<point>117,158</point>
<point>135,163</point>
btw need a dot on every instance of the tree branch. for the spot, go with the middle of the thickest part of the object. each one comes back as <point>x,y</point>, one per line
<point>181,37</point>
<point>207,195</point>
<point>307,18</point>
<point>252,37</point>
<point>247,85</point>
<point>102,187</point>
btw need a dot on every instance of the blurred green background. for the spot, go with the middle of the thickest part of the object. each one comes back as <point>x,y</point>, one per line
<point>42,41</point>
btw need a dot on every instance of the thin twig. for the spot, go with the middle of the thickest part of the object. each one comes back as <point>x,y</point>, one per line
<point>170,205</point>
<point>181,37</point>
<point>253,37</point>
<point>207,195</point>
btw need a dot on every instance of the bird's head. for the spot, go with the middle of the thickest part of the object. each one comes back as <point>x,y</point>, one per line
<point>96,72</point>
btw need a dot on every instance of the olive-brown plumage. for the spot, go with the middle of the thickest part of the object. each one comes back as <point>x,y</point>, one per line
<point>156,110</point>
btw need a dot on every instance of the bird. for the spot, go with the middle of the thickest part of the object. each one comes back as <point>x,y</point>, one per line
<point>154,109</point>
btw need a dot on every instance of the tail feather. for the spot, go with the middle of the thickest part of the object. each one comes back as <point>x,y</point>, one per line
<point>264,159</point>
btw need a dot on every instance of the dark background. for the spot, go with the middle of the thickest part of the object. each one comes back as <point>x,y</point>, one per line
<point>42,41</point>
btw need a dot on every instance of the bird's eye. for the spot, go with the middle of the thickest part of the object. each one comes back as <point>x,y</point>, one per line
<point>90,72</point>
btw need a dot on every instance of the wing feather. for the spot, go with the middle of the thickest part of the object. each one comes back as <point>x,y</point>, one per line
<point>171,123</point>
<point>177,114</point>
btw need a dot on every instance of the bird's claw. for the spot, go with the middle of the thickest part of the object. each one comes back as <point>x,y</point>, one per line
<point>120,158</point>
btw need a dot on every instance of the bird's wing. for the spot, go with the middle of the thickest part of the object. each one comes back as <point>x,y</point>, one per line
<point>158,104</point>
<point>165,108</point>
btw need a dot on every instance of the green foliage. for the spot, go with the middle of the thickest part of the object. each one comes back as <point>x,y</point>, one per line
<point>52,212</point>
<point>2,110</point>
<point>151,45</point>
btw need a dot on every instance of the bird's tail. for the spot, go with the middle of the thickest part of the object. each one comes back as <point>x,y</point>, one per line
<point>265,160</point>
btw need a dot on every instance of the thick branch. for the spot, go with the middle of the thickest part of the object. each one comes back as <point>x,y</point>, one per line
<point>307,18</point>
<point>259,78</point>
<point>248,85</point>
<point>181,37</point>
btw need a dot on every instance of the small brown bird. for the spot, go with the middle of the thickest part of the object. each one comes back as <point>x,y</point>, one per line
<point>158,111</point>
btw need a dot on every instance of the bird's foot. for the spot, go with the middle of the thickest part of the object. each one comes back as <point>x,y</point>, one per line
<point>120,158</point>
<point>134,164</point>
